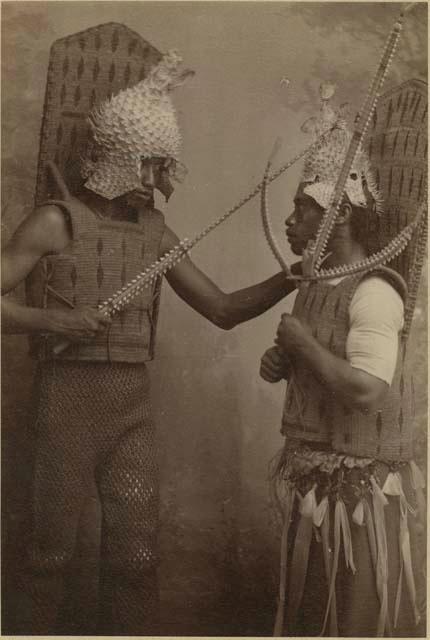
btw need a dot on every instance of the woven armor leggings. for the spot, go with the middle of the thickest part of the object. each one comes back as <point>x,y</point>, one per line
<point>94,421</point>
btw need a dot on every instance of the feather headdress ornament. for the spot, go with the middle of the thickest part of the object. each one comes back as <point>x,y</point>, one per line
<point>324,162</point>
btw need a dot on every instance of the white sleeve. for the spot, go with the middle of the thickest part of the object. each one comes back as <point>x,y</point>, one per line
<point>376,318</point>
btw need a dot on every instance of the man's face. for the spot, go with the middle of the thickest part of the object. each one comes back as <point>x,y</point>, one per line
<point>154,174</point>
<point>303,223</point>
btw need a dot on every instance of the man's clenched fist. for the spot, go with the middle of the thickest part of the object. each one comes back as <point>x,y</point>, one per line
<point>274,365</point>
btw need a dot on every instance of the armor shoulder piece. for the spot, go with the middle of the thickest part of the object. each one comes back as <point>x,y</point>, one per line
<point>82,219</point>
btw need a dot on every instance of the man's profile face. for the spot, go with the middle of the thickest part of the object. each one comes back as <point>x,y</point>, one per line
<point>303,223</point>
<point>154,174</point>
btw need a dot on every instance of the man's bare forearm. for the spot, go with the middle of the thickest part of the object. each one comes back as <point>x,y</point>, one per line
<point>74,324</point>
<point>353,387</point>
<point>17,318</point>
<point>251,302</point>
<point>334,372</point>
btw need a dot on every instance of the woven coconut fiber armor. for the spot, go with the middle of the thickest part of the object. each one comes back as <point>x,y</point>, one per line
<point>104,255</point>
<point>94,421</point>
<point>315,416</point>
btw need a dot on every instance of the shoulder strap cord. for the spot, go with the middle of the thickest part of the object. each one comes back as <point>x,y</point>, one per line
<point>65,195</point>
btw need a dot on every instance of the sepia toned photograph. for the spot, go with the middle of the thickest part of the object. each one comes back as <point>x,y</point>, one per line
<point>214,318</point>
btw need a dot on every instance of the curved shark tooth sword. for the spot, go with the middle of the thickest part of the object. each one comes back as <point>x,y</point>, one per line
<point>267,227</point>
<point>362,123</point>
<point>388,253</point>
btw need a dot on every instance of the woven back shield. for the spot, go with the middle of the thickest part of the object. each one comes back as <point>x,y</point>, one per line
<point>84,69</point>
<point>397,145</point>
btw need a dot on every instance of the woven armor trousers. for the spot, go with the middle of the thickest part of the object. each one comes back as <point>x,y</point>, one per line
<point>94,421</point>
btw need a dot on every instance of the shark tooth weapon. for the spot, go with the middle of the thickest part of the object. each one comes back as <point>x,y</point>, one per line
<point>393,249</point>
<point>270,237</point>
<point>388,253</point>
<point>146,278</point>
<point>320,169</point>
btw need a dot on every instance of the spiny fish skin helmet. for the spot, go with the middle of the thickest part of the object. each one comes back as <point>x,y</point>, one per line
<point>138,123</point>
<point>324,163</point>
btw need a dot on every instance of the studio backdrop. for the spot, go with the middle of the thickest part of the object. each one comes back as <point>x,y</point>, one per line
<point>258,69</point>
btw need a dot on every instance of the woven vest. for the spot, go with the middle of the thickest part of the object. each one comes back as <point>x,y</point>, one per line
<point>312,413</point>
<point>103,256</point>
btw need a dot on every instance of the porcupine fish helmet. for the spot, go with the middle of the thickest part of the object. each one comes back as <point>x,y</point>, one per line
<point>323,164</point>
<point>138,123</point>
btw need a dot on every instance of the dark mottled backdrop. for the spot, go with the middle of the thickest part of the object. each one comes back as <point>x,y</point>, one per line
<point>218,422</point>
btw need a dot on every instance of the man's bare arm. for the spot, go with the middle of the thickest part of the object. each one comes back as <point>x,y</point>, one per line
<point>223,309</point>
<point>355,388</point>
<point>45,231</point>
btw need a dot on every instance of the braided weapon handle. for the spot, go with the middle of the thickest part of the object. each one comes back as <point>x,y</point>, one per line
<point>361,127</point>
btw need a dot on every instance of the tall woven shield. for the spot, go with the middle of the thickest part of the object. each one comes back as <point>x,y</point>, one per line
<point>84,69</point>
<point>397,146</point>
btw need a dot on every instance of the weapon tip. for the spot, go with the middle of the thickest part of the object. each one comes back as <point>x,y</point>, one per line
<point>408,8</point>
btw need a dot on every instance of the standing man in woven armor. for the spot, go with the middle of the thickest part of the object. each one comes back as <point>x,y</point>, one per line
<point>346,476</point>
<point>93,416</point>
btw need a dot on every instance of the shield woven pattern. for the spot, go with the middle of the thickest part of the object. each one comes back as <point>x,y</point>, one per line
<point>398,145</point>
